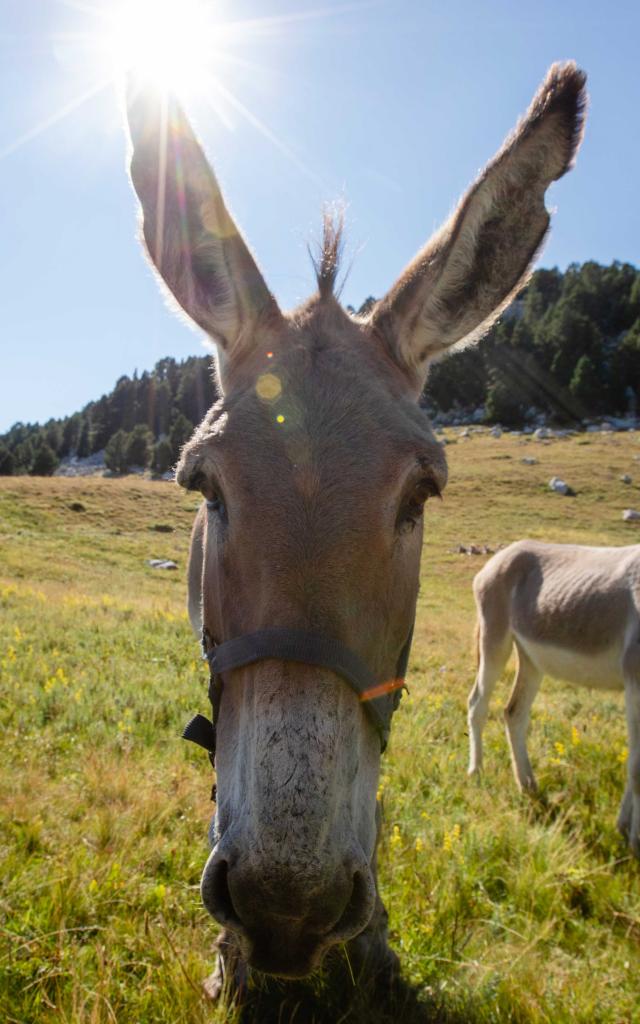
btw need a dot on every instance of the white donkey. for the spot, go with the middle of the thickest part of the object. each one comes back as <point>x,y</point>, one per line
<point>572,612</point>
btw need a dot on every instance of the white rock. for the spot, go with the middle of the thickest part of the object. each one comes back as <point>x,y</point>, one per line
<point>559,486</point>
<point>630,515</point>
<point>73,465</point>
<point>528,460</point>
<point>542,433</point>
<point>161,563</point>
<point>496,431</point>
<point>625,478</point>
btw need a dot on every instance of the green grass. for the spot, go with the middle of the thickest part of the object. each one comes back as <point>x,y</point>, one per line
<point>502,909</point>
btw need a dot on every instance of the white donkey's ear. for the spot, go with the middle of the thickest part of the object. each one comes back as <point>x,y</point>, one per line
<point>470,270</point>
<point>188,231</point>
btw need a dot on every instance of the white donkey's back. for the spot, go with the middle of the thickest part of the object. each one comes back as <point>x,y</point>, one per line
<point>572,612</point>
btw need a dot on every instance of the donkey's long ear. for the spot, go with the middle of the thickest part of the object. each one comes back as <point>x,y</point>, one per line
<point>189,233</point>
<point>470,270</point>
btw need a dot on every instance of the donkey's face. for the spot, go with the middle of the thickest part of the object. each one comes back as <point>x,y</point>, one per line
<point>316,473</point>
<point>316,464</point>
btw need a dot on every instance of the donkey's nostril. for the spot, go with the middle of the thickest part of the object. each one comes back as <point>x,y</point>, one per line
<point>215,892</point>
<point>358,911</point>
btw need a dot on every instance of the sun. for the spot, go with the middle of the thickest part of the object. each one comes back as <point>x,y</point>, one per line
<point>184,47</point>
<point>168,43</point>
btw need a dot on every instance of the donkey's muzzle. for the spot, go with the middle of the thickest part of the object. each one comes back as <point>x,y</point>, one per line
<point>285,924</point>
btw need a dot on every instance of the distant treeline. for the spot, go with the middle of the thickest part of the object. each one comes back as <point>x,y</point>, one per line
<point>144,422</point>
<point>569,348</point>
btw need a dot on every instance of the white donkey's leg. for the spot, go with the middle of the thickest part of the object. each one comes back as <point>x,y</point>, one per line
<point>517,715</point>
<point>629,817</point>
<point>493,653</point>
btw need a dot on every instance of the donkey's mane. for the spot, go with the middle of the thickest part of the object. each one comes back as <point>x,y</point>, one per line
<point>326,262</point>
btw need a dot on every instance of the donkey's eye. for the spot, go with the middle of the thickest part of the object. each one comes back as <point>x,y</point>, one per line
<point>413,505</point>
<point>216,505</point>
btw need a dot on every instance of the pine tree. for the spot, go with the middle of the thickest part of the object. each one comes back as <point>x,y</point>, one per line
<point>84,440</point>
<point>162,457</point>
<point>45,460</point>
<point>138,446</point>
<point>586,386</point>
<point>7,461</point>
<point>502,406</point>
<point>114,453</point>
<point>23,455</point>
<point>181,431</point>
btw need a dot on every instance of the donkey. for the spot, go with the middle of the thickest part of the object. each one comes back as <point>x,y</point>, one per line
<point>315,466</point>
<point>571,612</point>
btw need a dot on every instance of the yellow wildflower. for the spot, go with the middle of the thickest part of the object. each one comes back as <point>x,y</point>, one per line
<point>396,838</point>
<point>419,845</point>
<point>560,749</point>
<point>623,755</point>
<point>451,838</point>
<point>575,737</point>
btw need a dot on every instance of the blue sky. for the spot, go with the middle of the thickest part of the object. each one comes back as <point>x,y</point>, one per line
<point>392,107</point>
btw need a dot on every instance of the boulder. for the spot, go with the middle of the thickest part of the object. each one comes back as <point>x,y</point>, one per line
<point>630,515</point>
<point>474,549</point>
<point>559,486</point>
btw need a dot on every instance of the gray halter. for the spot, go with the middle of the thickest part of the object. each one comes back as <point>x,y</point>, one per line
<point>379,700</point>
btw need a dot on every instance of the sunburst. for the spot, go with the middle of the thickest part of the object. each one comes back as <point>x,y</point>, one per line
<point>177,46</point>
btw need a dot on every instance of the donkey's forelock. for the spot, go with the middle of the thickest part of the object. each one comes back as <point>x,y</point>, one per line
<point>327,262</point>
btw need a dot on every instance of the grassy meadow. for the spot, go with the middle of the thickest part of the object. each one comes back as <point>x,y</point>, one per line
<point>502,909</point>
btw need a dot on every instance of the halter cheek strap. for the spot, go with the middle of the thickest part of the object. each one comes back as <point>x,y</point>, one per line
<point>380,699</point>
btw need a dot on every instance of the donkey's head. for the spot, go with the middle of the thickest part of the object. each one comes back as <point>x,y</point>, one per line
<point>315,466</point>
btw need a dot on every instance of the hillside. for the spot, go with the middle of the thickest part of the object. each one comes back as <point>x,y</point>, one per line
<point>567,350</point>
<point>503,909</point>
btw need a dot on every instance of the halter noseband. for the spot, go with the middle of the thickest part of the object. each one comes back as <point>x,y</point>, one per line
<point>380,700</point>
